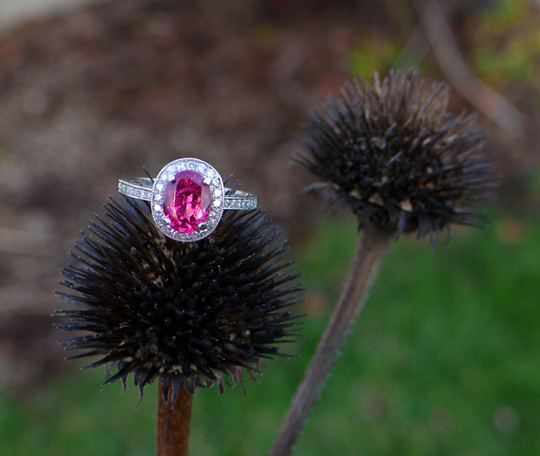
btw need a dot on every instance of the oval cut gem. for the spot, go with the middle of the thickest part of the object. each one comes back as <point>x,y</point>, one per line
<point>187,202</point>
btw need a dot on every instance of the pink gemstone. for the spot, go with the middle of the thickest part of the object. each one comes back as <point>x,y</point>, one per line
<point>187,201</point>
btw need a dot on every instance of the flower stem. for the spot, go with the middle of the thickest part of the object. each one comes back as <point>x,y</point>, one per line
<point>369,255</point>
<point>173,423</point>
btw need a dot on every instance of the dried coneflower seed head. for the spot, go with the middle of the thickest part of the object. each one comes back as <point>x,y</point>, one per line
<point>394,154</point>
<point>190,314</point>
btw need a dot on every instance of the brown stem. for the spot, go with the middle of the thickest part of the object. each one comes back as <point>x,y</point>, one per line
<point>446,51</point>
<point>173,423</point>
<point>369,256</point>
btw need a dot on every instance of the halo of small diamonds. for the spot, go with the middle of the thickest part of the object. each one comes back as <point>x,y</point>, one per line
<point>211,178</point>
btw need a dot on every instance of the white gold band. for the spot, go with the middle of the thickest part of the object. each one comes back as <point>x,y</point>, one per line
<point>142,188</point>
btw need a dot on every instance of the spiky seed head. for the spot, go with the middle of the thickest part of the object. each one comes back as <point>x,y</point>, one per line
<point>395,156</point>
<point>190,314</point>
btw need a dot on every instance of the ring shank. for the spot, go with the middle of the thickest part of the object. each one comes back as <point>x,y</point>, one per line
<point>142,188</point>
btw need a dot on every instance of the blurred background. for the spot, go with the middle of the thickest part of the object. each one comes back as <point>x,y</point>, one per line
<point>445,360</point>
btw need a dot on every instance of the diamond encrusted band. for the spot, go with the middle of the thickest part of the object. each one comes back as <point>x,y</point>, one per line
<point>187,198</point>
<point>141,188</point>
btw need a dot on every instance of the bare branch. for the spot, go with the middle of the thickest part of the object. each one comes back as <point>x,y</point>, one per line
<point>458,73</point>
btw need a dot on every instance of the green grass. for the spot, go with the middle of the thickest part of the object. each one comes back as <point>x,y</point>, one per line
<point>444,361</point>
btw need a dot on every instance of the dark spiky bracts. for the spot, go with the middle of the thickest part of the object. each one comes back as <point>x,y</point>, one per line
<point>190,314</point>
<point>395,155</point>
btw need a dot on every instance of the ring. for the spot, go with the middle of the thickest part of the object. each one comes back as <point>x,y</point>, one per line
<point>187,198</point>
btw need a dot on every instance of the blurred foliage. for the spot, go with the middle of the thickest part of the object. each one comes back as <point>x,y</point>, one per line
<point>533,185</point>
<point>507,43</point>
<point>378,55</point>
<point>504,44</point>
<point>443,361</point>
